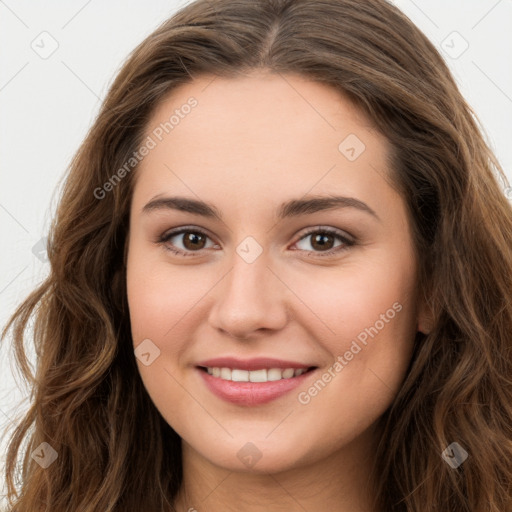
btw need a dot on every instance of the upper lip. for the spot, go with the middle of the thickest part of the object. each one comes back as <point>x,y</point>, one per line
<point>257,363</point>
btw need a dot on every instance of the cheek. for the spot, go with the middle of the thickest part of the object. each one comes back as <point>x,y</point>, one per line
<point>347,300</point>
<point>370,356</point>
<point>368,324</point>
<point>159,300</point>
<point>165,307</point>
<point>159,296</point>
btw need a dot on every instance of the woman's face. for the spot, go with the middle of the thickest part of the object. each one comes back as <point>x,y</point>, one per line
<point>261,278</point>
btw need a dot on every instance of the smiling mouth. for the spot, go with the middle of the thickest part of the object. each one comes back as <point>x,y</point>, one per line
<point>262,375</point>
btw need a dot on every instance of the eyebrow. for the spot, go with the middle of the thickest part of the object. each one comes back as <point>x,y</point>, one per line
<point>292,208</point>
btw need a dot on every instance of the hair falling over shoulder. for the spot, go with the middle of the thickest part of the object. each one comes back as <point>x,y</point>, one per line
<point>114,451</point>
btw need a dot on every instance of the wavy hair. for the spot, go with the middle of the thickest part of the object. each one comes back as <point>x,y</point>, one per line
<point>115,451</point>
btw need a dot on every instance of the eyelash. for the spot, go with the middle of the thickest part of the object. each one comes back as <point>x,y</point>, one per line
<point>164,238</point>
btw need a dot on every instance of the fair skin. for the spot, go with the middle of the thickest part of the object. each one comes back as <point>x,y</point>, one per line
<point>251,144</point>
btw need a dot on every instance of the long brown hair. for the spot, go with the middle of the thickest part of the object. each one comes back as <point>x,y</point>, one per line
<point>115,451</point>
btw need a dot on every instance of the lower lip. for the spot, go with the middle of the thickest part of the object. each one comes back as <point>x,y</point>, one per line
<point>251,393</point>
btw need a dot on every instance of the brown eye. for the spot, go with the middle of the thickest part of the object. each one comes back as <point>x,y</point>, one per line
<point>323,242</point>
<point>194,240</point>
<point>184,242</point>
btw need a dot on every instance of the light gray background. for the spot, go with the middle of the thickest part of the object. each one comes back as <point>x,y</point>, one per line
<point>48,102</point>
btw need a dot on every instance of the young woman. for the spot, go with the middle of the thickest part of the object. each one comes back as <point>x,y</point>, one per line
<point>281,279</point>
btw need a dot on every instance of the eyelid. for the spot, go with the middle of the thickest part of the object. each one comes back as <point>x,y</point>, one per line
<point>327,229</point>
<point>179,230</point>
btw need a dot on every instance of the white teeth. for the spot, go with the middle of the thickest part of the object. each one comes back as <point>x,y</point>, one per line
<point>239,375</point>
<point>258,376</point>
<point>225,373</point>
<point>288,373</point>
<point>272,374</point>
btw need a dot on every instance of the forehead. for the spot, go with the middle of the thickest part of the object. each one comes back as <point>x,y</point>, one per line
<point>263,135</point>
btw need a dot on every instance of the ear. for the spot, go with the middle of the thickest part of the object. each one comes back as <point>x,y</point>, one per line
<point>425,317</point>
<point>126,243</point>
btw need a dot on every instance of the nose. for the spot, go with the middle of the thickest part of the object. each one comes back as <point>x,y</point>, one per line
<point>250,299</point>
